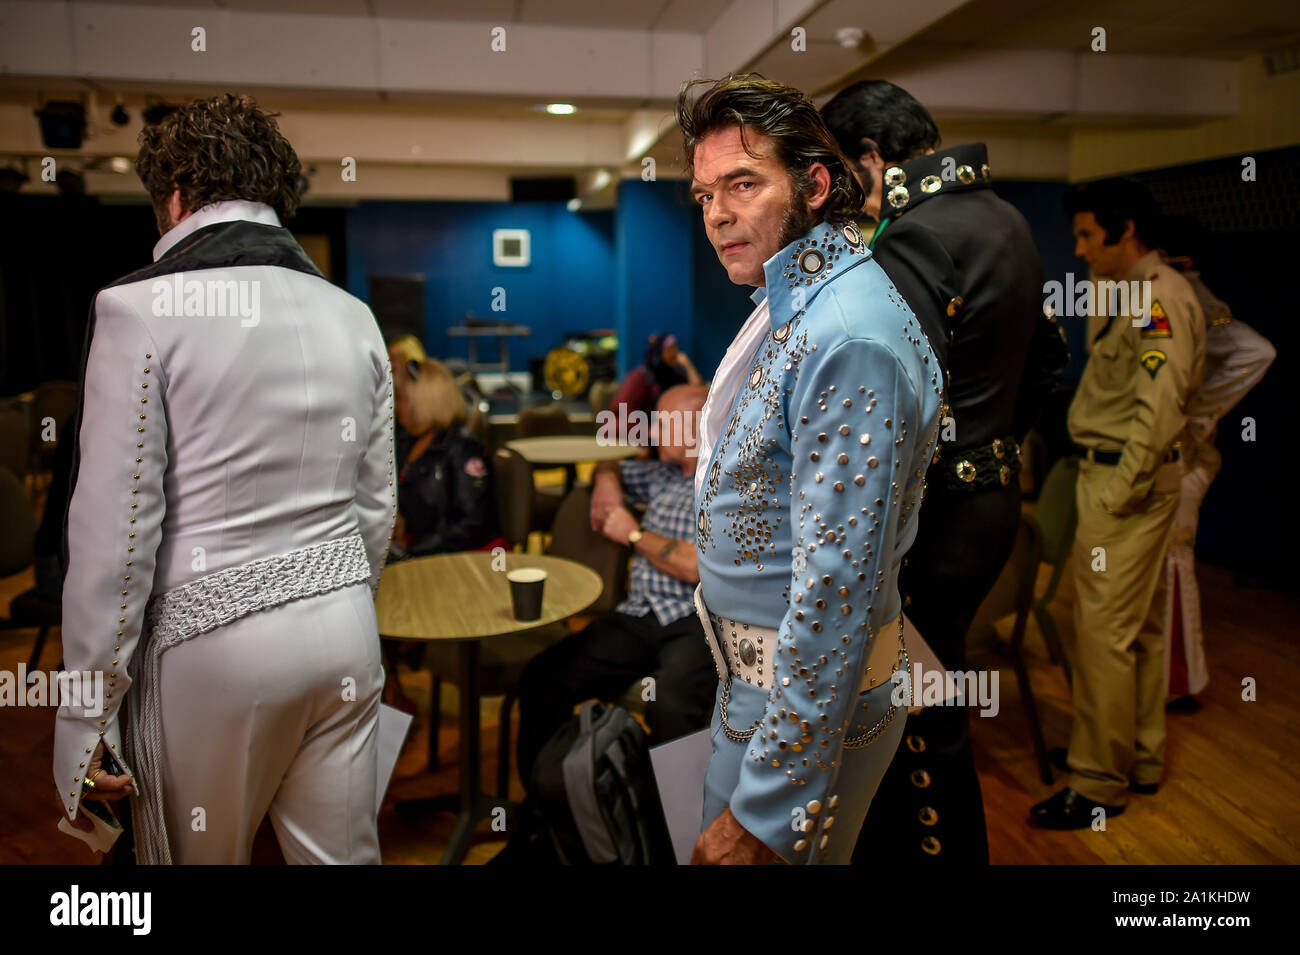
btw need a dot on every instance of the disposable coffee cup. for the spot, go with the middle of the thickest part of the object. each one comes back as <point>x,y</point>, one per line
<point>526,592</point>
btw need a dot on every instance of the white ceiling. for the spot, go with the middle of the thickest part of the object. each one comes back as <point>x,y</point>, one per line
<point>410,85</point>
<point>693,16</point>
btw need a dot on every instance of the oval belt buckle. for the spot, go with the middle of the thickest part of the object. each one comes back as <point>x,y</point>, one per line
<point>747,652</point>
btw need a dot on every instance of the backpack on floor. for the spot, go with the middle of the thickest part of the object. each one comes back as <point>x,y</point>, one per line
<point>594,791</point>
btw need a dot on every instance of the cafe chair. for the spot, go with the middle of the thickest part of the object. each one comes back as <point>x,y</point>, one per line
<point>1056,514</point>
<point>28,609</point>
<point>601,394</point>
<point>521,507</point>
<point>546,420</point>
<point>573,538</point>
<point>537,421</point>
<point>15,443</point>
<point>55,401</point>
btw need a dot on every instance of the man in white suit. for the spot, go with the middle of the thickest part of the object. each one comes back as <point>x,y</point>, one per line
<point>229,519</point>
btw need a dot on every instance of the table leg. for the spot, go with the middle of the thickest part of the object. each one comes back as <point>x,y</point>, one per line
<point>470,733</point>
<point>472,805</point>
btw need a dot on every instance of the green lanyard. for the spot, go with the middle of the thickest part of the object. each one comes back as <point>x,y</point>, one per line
<point>879,230</point>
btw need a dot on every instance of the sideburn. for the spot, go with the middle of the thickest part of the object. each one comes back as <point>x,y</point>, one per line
<point>797,221</point>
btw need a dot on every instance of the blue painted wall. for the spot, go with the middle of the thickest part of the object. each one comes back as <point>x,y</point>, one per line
<point>568,286</point>
<point>653,266</point>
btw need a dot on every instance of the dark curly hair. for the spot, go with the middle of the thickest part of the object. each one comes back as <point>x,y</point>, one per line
<point>225,147</point>
<point>787,117</point>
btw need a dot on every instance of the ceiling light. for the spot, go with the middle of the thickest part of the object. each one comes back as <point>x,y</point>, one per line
<point>574,204</point>
<point>849,37</point>
<point>561,109</point>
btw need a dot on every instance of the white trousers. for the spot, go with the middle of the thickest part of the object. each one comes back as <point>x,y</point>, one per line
<point>1183,614</point>
<point>277,712</point>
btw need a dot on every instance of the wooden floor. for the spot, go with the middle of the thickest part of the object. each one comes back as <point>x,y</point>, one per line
<point>1231,792</point>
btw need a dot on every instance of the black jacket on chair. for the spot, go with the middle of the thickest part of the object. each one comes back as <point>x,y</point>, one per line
<point>445,495</point>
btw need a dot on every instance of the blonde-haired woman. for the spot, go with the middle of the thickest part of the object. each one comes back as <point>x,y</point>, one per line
<point>444,492</point>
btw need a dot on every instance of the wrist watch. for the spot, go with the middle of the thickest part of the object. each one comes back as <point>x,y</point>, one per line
<point>635,536</point>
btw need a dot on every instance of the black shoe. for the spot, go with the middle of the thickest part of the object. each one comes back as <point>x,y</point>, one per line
<point>1183,704</point>
<point>1059,757</point>
<point>1068,810</point>
<point>1143,789</point>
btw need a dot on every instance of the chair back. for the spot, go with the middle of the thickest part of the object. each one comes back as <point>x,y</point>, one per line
<point>542,420</point>
<point>15,442</point>
<point>1014,589</point>
<point>573,539</point>
<point>56,400</point>
<point>512,483</point>
<point>601,394</point>
<point>17,525</point>
<point>1057,511</point>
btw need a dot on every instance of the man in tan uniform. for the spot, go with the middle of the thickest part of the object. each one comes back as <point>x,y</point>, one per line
<point>1126,417</point>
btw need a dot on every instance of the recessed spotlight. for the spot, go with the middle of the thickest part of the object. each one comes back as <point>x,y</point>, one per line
<point>561,109</point>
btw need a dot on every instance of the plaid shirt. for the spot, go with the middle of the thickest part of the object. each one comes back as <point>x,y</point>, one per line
<point>669,496</point>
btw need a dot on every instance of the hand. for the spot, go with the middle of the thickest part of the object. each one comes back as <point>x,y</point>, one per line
<point>399,531</point>
<point>606,495</point>
<point>727,842</point>
<point>107,788</point>
<point>618,525</point>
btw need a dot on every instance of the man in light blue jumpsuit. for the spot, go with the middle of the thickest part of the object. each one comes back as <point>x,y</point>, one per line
<point>820,425</point>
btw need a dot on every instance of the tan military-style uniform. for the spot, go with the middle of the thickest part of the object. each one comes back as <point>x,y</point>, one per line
<point>1133,400</point>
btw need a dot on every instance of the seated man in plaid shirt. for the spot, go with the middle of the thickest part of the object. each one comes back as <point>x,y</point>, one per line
<point>654,633</point>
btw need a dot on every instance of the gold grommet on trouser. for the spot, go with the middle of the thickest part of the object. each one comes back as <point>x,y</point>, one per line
<point>920,778</point>
<point>927,816</point>
<point>930,845</point>
<point>915,743</point>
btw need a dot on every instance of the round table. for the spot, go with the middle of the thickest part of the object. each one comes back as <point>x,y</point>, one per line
<point>554,450</point>
<point>465,598</point>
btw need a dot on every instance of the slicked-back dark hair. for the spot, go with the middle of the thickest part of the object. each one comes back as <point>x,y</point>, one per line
<point>225,147</point>
<point>1114,201</point>
<point>783,114</point>
<point>888,115</point>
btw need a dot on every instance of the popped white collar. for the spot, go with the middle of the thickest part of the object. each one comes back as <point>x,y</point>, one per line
<point>228,210</point>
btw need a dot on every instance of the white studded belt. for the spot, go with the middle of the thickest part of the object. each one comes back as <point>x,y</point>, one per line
<point>748,652</point>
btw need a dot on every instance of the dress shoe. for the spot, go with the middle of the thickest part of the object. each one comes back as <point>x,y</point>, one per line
<point>1068,810</point>
<point>1059,757</point>
<point>1183,704</point>
<point>1143,789</point>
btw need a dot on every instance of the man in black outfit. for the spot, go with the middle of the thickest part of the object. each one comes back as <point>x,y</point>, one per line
<point>965,262</point>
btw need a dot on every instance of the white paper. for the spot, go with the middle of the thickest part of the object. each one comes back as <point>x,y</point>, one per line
<point>100,839</point>
<point>393,727</point>
<point>679,767</point>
